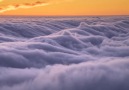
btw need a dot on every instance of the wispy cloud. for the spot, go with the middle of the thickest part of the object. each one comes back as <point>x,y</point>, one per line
<point>14,4</point>
<point>11,6</point>
<point>26,5</point>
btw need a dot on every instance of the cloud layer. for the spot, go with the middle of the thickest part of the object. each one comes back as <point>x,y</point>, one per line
<point>76,53</point>
<point>110,75</point>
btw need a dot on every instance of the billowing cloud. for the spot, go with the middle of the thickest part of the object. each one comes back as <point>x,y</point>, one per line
<point>78,53</point>
<point>107,75</point>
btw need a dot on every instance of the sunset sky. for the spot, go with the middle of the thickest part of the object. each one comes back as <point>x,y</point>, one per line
<point>64,7</point>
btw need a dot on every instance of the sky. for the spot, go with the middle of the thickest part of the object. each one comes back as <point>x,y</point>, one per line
<point>64,7</point>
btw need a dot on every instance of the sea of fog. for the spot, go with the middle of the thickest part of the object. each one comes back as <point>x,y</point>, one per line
<point>64,53</point>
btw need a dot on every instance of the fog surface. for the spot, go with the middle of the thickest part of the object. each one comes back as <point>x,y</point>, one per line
<point>64,53</point>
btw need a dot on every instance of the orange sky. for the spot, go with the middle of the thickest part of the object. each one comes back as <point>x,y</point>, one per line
<point>64,7</point>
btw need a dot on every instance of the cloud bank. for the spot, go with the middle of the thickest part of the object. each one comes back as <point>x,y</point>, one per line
<point>75,53</point>
<point>86,76</point>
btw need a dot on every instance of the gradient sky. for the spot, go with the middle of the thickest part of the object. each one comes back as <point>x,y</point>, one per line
<point>64,7</point>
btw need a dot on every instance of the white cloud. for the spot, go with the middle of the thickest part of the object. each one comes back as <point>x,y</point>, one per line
<point>86,53</point>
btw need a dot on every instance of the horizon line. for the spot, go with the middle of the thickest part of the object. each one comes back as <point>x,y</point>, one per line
<point>64,15</point>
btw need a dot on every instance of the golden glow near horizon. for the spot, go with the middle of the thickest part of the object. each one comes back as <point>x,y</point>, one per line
<point>64,7</point>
